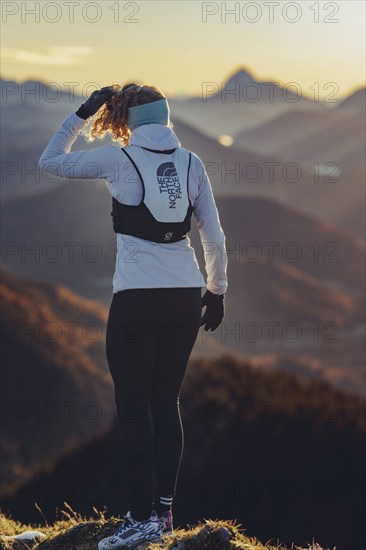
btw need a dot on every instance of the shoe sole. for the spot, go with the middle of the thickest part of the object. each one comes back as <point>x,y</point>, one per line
<point>137,545</point>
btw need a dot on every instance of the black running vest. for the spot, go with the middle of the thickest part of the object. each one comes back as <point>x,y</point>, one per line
<point>164,213</point>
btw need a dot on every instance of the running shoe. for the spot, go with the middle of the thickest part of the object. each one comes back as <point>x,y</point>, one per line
<point>132,533</point>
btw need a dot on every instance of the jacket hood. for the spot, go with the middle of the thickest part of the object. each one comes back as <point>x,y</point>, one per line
<point>154,136</point>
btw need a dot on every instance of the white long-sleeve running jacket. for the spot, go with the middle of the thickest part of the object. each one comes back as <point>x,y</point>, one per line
<point>141,263</point>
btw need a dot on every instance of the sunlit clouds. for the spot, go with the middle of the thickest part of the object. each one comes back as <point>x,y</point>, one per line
<point>54,55</point>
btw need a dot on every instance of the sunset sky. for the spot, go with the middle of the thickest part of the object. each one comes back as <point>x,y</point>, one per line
<point>173,45</point>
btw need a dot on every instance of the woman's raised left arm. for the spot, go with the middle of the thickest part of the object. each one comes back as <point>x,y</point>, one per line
<point>92,164</point>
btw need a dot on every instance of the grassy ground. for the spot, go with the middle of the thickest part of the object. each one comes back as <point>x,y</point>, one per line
<point>74,532</point>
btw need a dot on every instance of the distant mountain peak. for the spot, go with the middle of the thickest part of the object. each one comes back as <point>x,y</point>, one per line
<point>355,101</point>
<point>242,76</point>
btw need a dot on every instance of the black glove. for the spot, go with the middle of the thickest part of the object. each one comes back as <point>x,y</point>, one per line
<point>214,313</point>
<point>95,102</point>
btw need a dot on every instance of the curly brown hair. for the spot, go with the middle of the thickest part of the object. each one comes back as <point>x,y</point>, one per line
<point>112,117</point>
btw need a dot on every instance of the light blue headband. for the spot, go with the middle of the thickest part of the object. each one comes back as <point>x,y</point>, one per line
<point>156,112</point>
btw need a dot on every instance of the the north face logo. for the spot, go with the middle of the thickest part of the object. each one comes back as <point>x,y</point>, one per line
<point>168,181</point>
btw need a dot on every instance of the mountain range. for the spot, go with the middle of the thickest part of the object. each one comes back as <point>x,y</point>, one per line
<point>316,153</point>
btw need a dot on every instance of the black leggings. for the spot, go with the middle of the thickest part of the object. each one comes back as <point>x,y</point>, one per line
<point>150,336</point>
